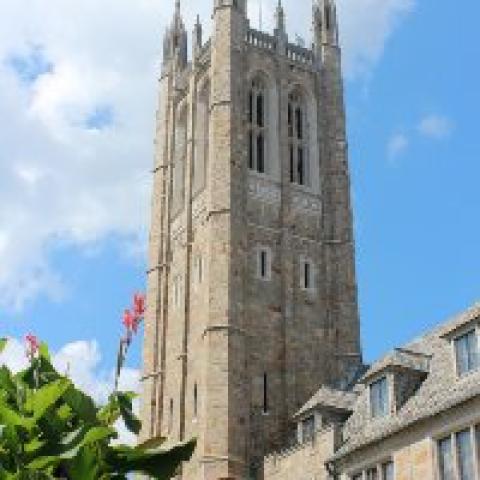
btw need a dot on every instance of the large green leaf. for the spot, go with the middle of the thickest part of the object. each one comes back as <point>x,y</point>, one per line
<point>81,404</point>
<point>132,423</point>
<point>160,464</point>
<point>85,465</point>
<point>46,398</point>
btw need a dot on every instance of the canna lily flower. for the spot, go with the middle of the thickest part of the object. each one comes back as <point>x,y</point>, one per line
<point>129,321</point>
<point>33,345</point>
<point>139,305</point>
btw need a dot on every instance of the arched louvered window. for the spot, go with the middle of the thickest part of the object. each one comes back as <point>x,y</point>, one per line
<point>200,160</point>
<point>178,195</point>
<point>257,126</point>
<point>298,140</point>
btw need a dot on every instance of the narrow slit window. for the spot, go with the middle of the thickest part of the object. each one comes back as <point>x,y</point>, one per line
<point>307,276</point>
<point>263,264</point>
<point>195,400</point>
<point>170,418</point>
<point>265,393</point>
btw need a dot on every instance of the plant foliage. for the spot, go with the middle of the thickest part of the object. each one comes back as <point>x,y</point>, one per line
<point>51,429</point>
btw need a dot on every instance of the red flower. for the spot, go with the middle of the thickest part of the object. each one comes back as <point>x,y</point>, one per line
<point>129,321</point>
<point>139,305</point>
<point>33,345</point>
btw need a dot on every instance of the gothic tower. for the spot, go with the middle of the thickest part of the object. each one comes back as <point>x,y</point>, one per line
<point>252,301</point>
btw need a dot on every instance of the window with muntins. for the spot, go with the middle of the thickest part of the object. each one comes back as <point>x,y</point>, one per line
<point>458,455</point>
<point>257,127</point>
<point>379,398</point>
<point>372,474</point>
<point>466,352</point>
<point>298,140</point>
<point>387,471</point>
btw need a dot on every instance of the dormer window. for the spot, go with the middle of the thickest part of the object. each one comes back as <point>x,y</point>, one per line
<point>466,352</point>
<point>308,429</point>
<point>379,398</point>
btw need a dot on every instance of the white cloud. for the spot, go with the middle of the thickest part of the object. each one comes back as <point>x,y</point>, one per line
<point>397,145</point>
<point>80,361</point>
<point>63,182</point>
<point>435,126</point>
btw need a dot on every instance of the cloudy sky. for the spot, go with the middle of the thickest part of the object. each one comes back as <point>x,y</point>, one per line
<point>77,103</point>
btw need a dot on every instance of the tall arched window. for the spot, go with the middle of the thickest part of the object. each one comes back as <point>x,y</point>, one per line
<point>257,130</point>
<point>180,154</point>
<point>200,160</point>
<point>298,140</point>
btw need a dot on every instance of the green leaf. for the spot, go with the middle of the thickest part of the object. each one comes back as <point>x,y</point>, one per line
<point>159,464</point>
<point>81,404</point>
<point>85,465</point>
<point>132,423</point>
<point>3,344</point>
<point>46,398</point>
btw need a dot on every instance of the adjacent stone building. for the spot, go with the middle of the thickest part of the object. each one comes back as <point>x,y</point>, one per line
<point>414,415</point>
<point>252,340</point>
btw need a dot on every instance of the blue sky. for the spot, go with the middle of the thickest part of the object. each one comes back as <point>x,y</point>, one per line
<point>76,152</point>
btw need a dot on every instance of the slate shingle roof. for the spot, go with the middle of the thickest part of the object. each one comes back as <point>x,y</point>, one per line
<point>327,397</point>
<point>440,391</point>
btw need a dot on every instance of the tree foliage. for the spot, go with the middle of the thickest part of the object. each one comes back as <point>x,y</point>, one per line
<point>51,429</point>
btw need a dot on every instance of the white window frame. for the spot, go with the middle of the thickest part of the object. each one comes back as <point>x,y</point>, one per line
<point>387,380</point>
<point>455,456</point>
<point>378,466</point>
<point>261,249</point>
<point>465,331</point>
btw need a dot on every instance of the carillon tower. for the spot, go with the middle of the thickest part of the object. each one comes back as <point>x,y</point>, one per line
<point>252,301</point>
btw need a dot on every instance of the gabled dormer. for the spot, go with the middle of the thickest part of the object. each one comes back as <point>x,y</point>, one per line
<point>464,337</point>
<point>393,380</point>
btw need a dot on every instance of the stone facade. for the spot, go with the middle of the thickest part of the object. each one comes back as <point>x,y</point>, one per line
<point>431,421</point>
<point>251,298</point>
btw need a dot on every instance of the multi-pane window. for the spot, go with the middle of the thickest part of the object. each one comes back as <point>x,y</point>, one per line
<point>387,471</point>
<point>372,474</point>
<point>257,127</point>
<point>445,459</point>
<point>465,453</point>
<point>384,471</point>
<point>379,398</point>
<point>466,352</point>
<point>458,455</point>
<point>298,140</point>
<point>308,429</point>
<point>264,263</point>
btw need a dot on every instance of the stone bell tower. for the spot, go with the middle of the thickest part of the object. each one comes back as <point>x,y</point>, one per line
<point>251,296</point>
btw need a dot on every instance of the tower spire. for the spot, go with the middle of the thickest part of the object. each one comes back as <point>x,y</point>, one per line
<point>280,17</point>
<point>175,42</point>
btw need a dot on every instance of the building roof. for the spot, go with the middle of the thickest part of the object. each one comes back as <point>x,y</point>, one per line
<point>329,398</point>
<point>440,391</point>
